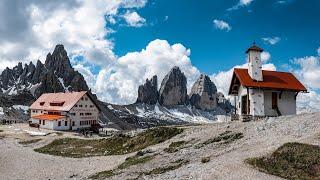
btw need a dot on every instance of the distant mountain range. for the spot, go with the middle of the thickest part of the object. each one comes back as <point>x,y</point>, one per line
<point>23,84</point>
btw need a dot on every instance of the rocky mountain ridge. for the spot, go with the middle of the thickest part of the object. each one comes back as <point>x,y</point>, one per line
<point>22,84</point>
<point>173,92</point>
<point>55,75</point>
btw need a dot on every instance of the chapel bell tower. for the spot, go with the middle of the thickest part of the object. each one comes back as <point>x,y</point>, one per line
<point>254,61</point>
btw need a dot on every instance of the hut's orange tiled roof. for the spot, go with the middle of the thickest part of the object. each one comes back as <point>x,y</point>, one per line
<point>48,117</point>
<point>57,101</point>
<point>271,80</point>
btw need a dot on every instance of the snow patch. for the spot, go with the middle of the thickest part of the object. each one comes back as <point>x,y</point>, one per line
<point>34,87</point>
<point>12,91</point>
<point>24,108</point>
<point>157,110</point>
<point>62,83</point>
<point>130,112</point>
<point>110,107</point>
<point>34,133</point>
<point>1,111</point>
<point>141,112</point>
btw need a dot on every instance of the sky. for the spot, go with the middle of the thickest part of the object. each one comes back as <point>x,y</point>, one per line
<point>117,44</point>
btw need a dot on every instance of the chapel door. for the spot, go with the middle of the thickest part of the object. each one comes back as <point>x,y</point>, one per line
<point>274,100</point>
<point>244,104</point>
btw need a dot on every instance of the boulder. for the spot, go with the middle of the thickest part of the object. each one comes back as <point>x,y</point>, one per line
<point>203,94</point>
<point>148,93</point>
<point>173,89</point>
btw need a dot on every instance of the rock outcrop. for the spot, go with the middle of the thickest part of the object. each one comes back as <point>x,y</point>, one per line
<point>148,92</point>
<point>173,89</point>
<point>203,94</point>
<point>224,103</point>
<point>56,75</point>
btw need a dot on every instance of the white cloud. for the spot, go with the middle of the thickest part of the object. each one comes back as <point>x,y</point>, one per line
<point>166,18</point>
<point>87,74</point>
<point>119,83</point>
<point>318,51</point>
<point>283,2</point>
<point>271,40</point>
<point>265,56</point>
<point>240,4</point>
<point>309,71</point>
<point>222,25</point>
<point>134,19</point>
<point>308,102</point>
<point>79,25</point>
<point>245,2</point>
<point>309,74</point>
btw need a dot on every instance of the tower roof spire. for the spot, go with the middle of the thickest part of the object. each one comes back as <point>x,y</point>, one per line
<point>254,47</point>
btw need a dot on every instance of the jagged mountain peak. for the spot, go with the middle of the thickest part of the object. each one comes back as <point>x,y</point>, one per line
<point>173,89</point>
<point>148,92</point>
<point>59,49</point>
<point>58,60</point>
<point>55,75</point>
<point>203,93</point>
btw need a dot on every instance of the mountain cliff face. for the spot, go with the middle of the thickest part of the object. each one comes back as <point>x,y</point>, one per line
<point>173,89</point>
<point>173,93</point>
<point>204,93</point>
<point>148,92</point>
<point>30,80</point>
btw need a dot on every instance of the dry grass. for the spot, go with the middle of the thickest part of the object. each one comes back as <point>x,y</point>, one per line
<point>117,145</point>
<point>225,138</point>
<point>173,166</point>
<point>130,161</point>
<point>175,146</point>
<point>291,161</point>
<point>29,141</point>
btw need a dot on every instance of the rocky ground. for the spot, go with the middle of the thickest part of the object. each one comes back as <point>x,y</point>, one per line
<point>207,141</point>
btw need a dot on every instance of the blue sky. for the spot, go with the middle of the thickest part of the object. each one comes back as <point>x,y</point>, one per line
<point>190,23</point>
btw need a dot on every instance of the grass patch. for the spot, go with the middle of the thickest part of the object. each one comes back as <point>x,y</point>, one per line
<point>175,146</point>
<point>29,141</point>
<point>291,161</point>
<point>205,159</point>
<point>225,138</point>
<point>130,161</point>
<point>117,145</point>
<point>59,133</point>
<point>175,165</point>
<point>104,174</point>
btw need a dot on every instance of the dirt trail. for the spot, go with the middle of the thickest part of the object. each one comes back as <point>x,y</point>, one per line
<point>226,159</point>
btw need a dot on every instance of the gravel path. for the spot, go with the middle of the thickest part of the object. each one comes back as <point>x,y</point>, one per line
<point>22,162</point>
<point>226,160</point>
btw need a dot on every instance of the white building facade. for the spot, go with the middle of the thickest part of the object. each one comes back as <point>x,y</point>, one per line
<point>263,93</point>
<point>65,111</point>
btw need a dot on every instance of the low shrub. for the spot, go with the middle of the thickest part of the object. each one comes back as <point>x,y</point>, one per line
<point>291,161</point>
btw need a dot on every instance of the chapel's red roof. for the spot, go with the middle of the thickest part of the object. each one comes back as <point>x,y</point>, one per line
<point>271,80</point>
